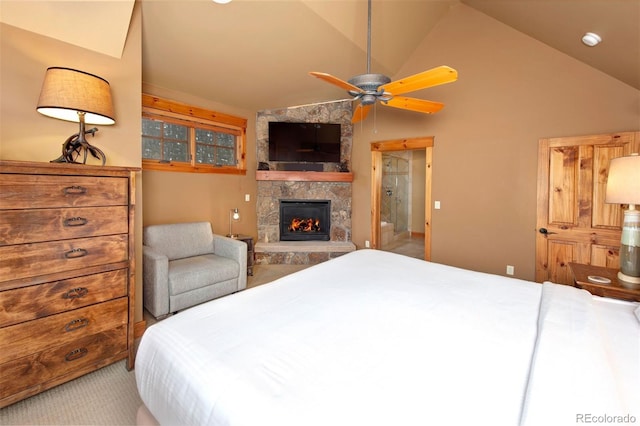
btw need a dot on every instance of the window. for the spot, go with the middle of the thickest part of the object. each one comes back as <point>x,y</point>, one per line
<point>182,138</point>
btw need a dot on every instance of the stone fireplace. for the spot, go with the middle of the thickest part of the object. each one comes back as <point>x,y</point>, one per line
<point>271,192</point>
<point>329,186</point>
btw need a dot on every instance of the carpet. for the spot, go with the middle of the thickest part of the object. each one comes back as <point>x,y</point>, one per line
<point>104,397</point>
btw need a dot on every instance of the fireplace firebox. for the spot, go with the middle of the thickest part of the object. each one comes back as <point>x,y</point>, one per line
<point>305,220</point>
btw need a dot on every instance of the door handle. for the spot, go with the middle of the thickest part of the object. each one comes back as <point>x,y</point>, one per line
<point>545,232</point>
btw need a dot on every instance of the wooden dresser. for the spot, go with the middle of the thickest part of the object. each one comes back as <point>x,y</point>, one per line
<point>66,273</point>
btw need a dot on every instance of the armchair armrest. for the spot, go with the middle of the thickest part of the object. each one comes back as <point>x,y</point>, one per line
<point>155,271</point>
<point>233,249</point>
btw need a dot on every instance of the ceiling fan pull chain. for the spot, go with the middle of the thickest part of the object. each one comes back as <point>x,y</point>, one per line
<point>375,118</point>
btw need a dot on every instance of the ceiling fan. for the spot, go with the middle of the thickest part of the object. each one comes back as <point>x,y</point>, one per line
<point>369,88</point>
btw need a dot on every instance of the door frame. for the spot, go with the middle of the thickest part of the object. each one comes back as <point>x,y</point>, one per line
<point>408,144</point>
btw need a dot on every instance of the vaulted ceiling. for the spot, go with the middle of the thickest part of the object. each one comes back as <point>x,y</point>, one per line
<point>256,54</point>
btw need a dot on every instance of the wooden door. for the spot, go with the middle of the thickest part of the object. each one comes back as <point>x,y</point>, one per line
<point>574,224</point>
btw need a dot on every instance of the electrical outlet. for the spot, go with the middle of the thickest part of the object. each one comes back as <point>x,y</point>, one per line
<point>510,270</point>
<point>366,244</point>
<point>436,205</point>
<point>247,197</point>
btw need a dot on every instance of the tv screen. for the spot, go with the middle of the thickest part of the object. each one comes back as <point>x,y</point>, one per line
<point>304,142</point>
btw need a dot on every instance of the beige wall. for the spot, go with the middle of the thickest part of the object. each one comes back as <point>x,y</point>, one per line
<point>512,91</point>
<point>29,136</point>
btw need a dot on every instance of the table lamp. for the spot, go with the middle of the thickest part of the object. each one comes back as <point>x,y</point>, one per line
<point>623,187</point>
<point>78,96</point>
<point>234,215</point>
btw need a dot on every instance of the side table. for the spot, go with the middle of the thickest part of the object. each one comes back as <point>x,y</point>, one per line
<point>250,251</point>
<point>614,289</point>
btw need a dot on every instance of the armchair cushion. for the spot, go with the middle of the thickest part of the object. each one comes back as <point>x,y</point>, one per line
<point>200,271</point>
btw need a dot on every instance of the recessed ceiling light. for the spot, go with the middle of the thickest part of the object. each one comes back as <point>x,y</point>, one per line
<point>222,1</point>
<point>591,39</point>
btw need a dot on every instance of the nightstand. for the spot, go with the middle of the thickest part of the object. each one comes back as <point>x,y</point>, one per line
<point>614,289</point>
<point>249,241</point>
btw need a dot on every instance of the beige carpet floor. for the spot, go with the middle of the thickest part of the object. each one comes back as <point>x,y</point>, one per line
<point>105,397</point>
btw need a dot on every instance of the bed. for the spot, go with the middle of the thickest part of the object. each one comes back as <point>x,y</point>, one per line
<point>376,338</point>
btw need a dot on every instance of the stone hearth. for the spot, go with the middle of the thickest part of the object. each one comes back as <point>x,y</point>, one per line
<point>300,252</point>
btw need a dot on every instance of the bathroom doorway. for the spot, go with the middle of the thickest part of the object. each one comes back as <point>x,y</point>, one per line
<point>401,196</point>
<point>396,191</point>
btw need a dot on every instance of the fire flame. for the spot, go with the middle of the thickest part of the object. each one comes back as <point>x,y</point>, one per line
<point>304,225</point>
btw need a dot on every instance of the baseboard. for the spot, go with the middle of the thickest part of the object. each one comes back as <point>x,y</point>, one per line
<point>139,328</point>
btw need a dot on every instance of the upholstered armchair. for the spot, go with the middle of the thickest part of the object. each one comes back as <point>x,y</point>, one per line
<point>185,264</point>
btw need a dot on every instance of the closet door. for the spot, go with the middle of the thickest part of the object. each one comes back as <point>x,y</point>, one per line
<point>574,224</point>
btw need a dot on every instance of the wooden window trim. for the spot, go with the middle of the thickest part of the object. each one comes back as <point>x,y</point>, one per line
<point>154,106</point>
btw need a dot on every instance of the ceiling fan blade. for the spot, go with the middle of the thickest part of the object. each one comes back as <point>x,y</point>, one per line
<point>413,104</point>
<point>335,81</point>
<point>429,78</point>
<point>360,113</point>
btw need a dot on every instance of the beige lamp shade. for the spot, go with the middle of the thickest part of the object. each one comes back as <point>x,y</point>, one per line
<point>65,92</point>
<point>623,182</point>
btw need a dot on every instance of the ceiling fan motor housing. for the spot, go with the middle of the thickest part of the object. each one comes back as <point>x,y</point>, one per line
<point>369,84</point>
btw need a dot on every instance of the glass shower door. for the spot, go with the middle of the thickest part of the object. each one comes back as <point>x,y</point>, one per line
<point>394,206</point>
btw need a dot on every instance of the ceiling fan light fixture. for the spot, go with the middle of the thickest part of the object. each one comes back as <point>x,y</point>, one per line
<point>591,39</point>
<point>368,99</point>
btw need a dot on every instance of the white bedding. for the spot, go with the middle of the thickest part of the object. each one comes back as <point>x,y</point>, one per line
<point>370,338</point>
<point>587,360</point>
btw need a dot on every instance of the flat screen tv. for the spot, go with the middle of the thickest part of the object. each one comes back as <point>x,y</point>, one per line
<point>304,142</point>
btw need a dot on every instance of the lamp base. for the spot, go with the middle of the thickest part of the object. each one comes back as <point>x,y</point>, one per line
<point>234,236</point>
<point>628,281</point>
<point>77,145</point>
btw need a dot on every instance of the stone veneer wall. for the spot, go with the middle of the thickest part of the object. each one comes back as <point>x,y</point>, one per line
<point>270,192</point>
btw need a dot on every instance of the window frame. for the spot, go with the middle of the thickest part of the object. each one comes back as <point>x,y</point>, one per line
<point>191,116</point>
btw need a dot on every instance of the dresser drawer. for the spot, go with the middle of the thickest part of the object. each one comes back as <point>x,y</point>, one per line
<point>45,191</point>
<point>18,375</point>
<point>29,303</point>
<point>35,336</point>
<point>30,260</point>
<point>31,226</point>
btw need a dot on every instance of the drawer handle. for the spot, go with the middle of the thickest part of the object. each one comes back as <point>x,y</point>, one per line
<point>75,190</point>
<point>76,293</point>
<point>75,253</point>
<point>76,354</point>
<point>76,324</point>
<point>75,221</point>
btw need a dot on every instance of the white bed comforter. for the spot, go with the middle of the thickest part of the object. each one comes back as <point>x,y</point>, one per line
<point>370,338</point>
<point>586,365</point>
